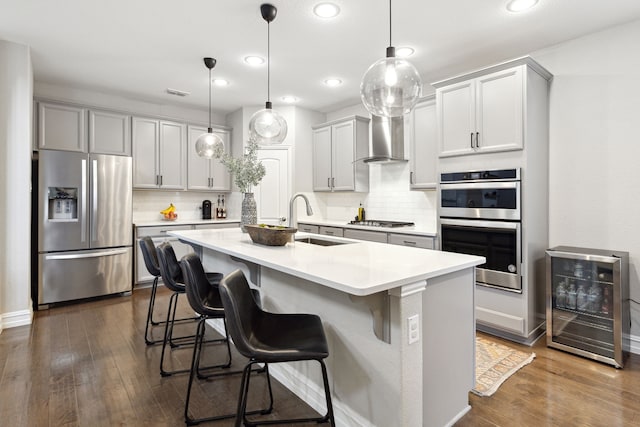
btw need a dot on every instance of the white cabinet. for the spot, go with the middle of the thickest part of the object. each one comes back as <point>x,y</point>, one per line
<point>423,134</point>
<point>159,154</point>
<point>371,236</point>
<point>206,174</point>
<point>109,133</point>
<point>411,240</point>
<point>331,231</point>
<point>158,235</point>
<point>62,127</point>
<point>308,228</point>
<point>336,147</point>
<point>484,111</point>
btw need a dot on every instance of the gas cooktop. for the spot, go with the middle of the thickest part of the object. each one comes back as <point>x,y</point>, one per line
<point>382,223</point>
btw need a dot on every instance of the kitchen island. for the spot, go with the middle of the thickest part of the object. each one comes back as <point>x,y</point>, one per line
<point>399,321</point>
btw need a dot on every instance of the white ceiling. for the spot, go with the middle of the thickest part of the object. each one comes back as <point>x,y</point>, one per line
<point>138,48</point>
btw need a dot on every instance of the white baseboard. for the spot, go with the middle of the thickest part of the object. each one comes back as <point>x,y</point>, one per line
<point>16,318</point>
<point>634,344</point>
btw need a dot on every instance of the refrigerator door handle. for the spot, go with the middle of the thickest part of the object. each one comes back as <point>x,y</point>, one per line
<point>83,226</point>
<point>108,252</point>
<point>94,202</point>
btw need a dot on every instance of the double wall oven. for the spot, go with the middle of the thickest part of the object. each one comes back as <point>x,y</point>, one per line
<point>480,215</point>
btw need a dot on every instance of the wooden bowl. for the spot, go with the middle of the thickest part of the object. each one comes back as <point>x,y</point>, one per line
<point>270,235</point>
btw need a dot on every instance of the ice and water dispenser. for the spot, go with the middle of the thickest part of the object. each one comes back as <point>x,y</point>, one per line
<point>63,204</point>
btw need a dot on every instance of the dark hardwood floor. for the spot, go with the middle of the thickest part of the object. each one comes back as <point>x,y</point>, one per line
<point>87,365</point>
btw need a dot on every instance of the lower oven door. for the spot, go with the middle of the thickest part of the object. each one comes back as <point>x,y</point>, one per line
<point>497,241</point>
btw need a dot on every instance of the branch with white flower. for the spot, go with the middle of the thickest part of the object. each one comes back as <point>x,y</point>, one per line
<point>247,170</point>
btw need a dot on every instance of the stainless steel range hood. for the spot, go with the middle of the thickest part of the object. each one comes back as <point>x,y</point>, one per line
<point>387,140</point>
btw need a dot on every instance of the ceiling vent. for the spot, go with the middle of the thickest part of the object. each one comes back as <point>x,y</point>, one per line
<point>177,92</point>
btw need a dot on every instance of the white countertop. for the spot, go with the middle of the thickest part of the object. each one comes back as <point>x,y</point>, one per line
<point>417,231</point>
<point>179,221</point>
<point>357,268</point>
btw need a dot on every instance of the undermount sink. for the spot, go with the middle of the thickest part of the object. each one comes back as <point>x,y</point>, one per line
<point>319,242</point>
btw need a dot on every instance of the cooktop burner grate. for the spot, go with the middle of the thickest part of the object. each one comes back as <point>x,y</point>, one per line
<point>382,223</point>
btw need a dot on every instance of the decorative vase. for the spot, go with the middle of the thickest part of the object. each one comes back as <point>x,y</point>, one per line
<point>249,213</point>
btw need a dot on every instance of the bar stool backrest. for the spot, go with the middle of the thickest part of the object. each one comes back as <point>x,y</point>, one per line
<point>169,267</point>
<point>150,256</point>
<point>201,294</point>
<point>241,311</point>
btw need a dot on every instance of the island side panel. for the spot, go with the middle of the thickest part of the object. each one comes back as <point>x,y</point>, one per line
<point>365,372</point>
<point>448,344</point>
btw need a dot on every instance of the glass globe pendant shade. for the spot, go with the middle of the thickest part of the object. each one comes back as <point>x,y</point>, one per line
<point>390,87</point>
<point>268,126</point>
<point>206,144</point>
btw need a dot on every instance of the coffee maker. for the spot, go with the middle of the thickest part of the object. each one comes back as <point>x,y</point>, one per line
<point>206,209</point>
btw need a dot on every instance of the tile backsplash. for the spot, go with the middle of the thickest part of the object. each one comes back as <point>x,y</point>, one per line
<point>389,198</point>
<point>147,204</point>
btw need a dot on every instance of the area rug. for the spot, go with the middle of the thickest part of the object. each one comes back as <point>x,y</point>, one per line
<point>495,363</point>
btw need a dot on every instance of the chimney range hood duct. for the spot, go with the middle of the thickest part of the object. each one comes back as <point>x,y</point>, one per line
<point>386,144</point>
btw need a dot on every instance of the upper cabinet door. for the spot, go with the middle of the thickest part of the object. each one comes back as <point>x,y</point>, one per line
<point>499,115</point>
<point>322,159</point>
<point>172,161</point>
<point>62,127</point>
<point>145,152</point>
<point>109,133</point>
<point>424,145</point>
<point>220,176</point>
<point>483,114</point>
<point>344,139</point>
<point>456,118</point>
<point>198,175</point>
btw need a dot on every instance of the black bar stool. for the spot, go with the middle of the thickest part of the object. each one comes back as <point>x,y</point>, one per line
<point>204,298</point>
<point>265,337</point>
<point>151,263</point>
<point>172,277</point>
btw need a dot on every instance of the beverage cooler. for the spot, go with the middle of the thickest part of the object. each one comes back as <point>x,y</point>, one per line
<point>588,303</point>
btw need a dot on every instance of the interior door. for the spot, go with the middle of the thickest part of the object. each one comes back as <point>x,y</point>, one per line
<point>273,192</point>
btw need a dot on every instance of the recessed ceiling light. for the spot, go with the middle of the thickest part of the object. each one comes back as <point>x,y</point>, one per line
<point>520,5</point>
<point>220,82</point>
<point>326,10</point>
<point>289,99</point>
<point>333,82</point>
<point>254,60</point>
<point>403,52</point>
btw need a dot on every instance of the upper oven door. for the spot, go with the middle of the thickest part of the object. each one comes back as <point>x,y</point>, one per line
<point>481,200</point>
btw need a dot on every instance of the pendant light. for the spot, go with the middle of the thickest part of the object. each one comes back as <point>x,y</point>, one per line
<point>391,86</point>
<point>206,143</point>
<point>268,126</point>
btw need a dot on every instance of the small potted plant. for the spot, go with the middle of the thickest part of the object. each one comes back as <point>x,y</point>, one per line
<point>247,172</point>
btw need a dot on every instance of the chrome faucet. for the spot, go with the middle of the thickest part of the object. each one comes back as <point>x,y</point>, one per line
<point>306,201</point>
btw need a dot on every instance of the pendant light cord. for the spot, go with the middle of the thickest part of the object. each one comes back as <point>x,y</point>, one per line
<point>268,62</point>
<point>390,44</point>
<point>210,128</point>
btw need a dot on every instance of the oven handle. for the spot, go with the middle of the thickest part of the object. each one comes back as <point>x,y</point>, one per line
<point>477,185</point>
<point>483,224</point>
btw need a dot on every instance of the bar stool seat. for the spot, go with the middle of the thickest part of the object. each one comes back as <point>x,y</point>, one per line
<point>265,337</point>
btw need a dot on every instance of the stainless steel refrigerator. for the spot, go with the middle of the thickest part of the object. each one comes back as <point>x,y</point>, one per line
<point>84,225</point>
